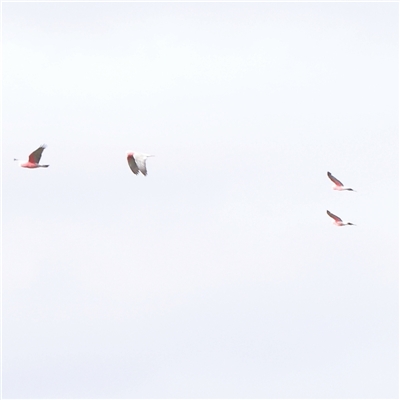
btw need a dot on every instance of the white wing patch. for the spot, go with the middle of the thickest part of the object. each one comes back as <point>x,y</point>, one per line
<point>141,163</point>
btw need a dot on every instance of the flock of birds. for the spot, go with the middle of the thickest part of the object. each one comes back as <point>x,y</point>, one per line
<point>137,163</point>
<point>338,186</point>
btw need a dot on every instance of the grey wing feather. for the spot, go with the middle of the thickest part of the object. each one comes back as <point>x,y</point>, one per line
<point>334,180</point>
<point>133,166</point>
<point>335,217</point>
<point>36,155</point>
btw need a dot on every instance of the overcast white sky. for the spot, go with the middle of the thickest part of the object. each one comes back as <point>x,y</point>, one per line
<point>219,275</point>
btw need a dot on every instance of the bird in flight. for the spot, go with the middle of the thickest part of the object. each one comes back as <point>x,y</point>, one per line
<point>137,162</point>
<point>338,221</point>
<point>34,159</point>
<point>337,184</point>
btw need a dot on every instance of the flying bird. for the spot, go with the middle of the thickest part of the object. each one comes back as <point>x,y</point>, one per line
<point>337,184</point>
<point>137,162</point>
<point>338,221</point>
<point>34,159</point>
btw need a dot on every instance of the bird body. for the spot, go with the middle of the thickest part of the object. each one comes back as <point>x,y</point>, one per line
<point>137,162</point>
<point>338,221</point>
<point>33,160</point>
<point>337,184</point>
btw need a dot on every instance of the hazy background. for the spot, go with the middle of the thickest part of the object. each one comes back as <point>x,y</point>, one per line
<point>219,274</point>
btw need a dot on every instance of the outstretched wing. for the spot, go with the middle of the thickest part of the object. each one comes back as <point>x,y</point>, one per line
<point>37,154</point>
<point>335,217</point>
<point>132,164</point>
<point>334,180</point>
<point>141,163</point>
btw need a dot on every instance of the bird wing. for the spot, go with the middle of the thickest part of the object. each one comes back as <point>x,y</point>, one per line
<point>141,163</point>
<point>335,217</point>
<point>132,164</point>
<point>334,180</point>
<point>37,154</point>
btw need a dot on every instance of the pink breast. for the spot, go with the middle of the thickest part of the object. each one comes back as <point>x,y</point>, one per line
<point>29,165</point>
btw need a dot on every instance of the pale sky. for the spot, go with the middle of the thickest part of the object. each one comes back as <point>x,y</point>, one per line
<point>219,275</point>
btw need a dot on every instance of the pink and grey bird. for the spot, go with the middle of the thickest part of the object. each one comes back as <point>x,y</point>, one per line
<point>34,159</point>
<point>137,162</point>
<point>338,221</point>
<point>337,184</point>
